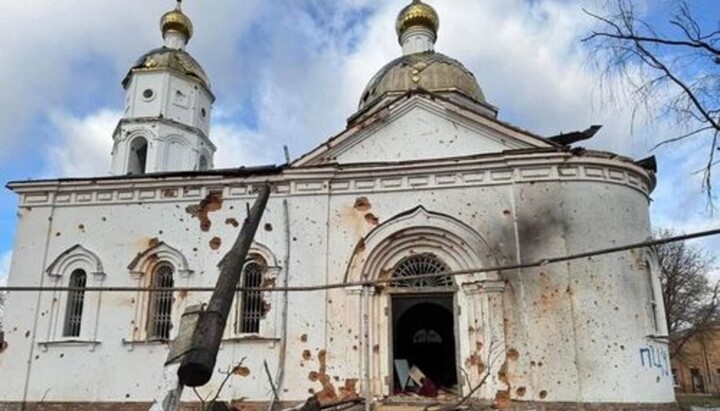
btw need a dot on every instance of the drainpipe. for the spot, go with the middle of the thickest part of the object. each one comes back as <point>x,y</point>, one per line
<point>366,344</point>
<point>280,374</point>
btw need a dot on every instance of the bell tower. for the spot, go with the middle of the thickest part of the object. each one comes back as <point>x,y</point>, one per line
<point>168,103</point>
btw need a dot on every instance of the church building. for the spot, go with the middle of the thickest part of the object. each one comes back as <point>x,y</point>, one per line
<point>425,179</point>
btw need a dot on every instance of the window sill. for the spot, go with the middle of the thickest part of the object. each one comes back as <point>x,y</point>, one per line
<point>658,338</point>
<point>146,342</point>
<point>250,338</point>
<point>69,342</point>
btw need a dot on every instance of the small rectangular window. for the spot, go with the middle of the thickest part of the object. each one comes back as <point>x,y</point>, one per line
<point>75,302</point>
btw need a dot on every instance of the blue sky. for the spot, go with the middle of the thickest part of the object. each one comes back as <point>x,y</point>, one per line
<point>291,72</point>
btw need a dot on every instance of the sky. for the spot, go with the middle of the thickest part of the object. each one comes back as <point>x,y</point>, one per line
<point>290,72</point>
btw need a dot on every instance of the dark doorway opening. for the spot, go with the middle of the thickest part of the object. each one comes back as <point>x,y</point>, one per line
<point>698,384</point>
<point>424,336</point>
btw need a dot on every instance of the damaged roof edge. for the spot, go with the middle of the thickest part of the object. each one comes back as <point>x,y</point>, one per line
<point>575,136</point>
<point>648,163</point>
<point>576,152</point>
<point>225,172</point>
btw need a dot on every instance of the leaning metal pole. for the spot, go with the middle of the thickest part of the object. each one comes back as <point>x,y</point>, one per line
<point>198,365</point>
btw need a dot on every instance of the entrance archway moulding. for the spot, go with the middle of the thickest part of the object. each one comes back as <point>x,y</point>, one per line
<point>479,312</point>
<point>421,231</point>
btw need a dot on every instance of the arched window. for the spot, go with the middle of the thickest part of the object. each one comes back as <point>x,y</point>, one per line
<point>421,264</point>
<point>251,307</point>
<point>161,301</point>
<point>138,156</point>
<point>203,163</point>
<point>176,154</point>
<point>75,302</point>
<point>652,297</point>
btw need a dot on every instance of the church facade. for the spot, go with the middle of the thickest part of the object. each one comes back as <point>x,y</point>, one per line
<point>425,180</point>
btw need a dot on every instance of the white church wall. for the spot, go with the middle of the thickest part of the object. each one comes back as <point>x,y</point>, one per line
<point>593,310</point>
<point>202,110</point>
<point>21,308</point>
<point>146,95</point>
<point>543,332</point>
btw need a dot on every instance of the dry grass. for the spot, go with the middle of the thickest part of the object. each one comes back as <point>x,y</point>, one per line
<point>698,400</point>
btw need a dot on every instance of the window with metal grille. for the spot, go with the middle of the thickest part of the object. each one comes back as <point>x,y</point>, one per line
<point>161,301</point>
<point>653,306</point>
<point>74,309</point>
<point>251,305</point>
<point>421,264</point>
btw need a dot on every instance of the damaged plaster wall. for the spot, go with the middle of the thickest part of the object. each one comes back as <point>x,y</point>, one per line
<point>573,332</point>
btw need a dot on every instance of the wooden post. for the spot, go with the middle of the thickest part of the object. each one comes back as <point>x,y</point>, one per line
<point>170,391</point>
<point>198,365</point>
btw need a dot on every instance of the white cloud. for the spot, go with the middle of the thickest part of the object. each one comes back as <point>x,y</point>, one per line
<point>303,70</point>
<point>5,267</point>
<point>237,146</point>
<point>85,144</point>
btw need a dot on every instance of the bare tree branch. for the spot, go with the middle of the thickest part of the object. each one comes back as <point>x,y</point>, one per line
<point>674,75</point>
<point>682,137</point>
<point>207,405</point>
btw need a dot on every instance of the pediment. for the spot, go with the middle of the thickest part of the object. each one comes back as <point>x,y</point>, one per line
<point>419,128</point>
<point>76,256</point>
<point>160,252</point>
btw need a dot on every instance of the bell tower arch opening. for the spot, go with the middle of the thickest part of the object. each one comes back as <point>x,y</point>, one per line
<point>137,161</point>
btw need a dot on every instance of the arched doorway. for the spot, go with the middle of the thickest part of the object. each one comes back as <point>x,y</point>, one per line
<point>423,324</point>
<point>457,247</point>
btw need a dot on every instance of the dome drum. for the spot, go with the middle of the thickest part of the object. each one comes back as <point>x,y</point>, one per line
<point>420,67</point>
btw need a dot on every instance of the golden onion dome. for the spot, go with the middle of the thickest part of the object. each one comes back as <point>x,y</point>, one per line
<point>417,14</point>
<point>176,20</point>
<point>428,71</point>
